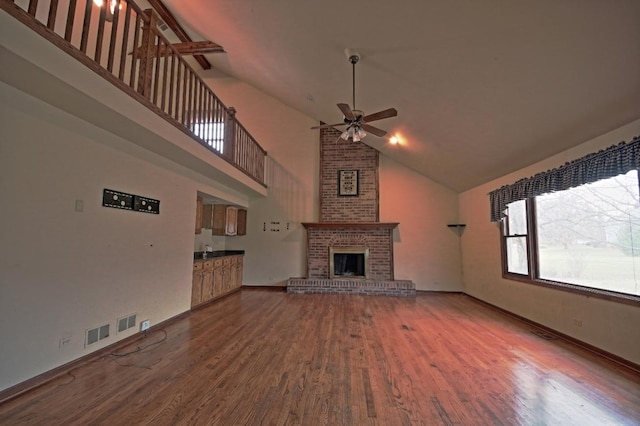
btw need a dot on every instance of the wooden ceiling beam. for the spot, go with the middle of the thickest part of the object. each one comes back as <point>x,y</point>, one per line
<point>189,48</point>
<point>173,24</point>
<point>198,47</point>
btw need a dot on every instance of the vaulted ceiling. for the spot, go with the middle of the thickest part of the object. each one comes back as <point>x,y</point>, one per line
<point>482,88</point>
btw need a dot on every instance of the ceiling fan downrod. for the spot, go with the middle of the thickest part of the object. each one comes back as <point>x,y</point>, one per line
<point>354,58</point>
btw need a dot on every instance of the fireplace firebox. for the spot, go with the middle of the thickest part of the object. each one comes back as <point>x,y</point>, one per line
<point>348,262</point>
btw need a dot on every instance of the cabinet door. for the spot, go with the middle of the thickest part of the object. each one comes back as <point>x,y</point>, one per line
<point>207,216</point>
<point>207,285</point>
<point>242,222</point>
<point>226,273</point>
<point>239,270</point>
<point>198,215</point>
<point>218,220</point>
<point>231,221</point>
<point>218,280</point>
<point>196,286</point>
<point>236,272</point>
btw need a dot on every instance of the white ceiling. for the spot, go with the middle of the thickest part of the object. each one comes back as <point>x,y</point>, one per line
<point>482,88</point>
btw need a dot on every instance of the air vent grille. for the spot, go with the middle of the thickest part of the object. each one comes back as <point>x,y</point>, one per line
<point>96,334</point>
<point>126,323</point>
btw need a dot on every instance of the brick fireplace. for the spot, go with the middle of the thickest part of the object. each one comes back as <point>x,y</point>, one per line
<point>349,224</point>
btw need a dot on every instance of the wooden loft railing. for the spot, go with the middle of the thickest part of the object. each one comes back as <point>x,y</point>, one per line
<point>123,44</point>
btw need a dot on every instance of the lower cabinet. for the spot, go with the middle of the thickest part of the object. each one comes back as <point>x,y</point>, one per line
<point>213,278</point>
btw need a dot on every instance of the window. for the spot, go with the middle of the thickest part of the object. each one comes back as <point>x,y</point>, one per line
<point>585,238</point>
<point>516,238</point>
<point>212,132</point>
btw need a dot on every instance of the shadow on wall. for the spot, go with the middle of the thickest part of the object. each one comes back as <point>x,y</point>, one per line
<point>289,195</point>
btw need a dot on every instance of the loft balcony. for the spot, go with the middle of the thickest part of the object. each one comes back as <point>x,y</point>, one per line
<point>123,45</point>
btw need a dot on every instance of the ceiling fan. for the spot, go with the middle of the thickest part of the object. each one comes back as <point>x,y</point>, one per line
<point>355,120</point>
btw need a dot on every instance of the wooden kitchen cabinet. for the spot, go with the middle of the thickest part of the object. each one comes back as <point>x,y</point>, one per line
<point>198,215</point>
<point>196,284</point>
<point>201,284</point>
<point>242,222</point>
<point>207,216</point>
<point>216,277</point>
<point>228,220</point>
<point>236,272</point>
<point>239,271</point>
<point>207,281</point>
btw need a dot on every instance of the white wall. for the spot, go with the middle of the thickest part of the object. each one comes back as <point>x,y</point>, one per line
<point>62,271</point>
<point>292,177</point>
<point>426,251</point>
<point>608,325</point>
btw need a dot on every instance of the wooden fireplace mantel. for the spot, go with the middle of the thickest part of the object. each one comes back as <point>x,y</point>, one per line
<point>350,225</point>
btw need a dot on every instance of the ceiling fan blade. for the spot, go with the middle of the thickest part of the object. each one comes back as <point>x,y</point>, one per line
<point>324,126</point>
<point>346,110</point>
<point>373,130</point>
<point>387,113</point>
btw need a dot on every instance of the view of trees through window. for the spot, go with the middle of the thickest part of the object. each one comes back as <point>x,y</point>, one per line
<point>588,235</point>
<point>212,132</point>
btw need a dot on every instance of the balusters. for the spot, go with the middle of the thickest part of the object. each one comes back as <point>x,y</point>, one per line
<point>146,65</point>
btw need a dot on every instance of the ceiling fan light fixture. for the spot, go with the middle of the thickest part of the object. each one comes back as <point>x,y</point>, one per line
<point>359,135</point>
<point>354,133</point>
<point>110,7</point>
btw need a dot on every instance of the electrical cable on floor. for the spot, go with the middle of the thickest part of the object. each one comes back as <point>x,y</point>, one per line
<point>141,348</point>
<point>73,379</point>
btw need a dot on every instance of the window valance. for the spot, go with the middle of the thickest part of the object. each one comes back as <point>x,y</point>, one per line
<point>606,163</point>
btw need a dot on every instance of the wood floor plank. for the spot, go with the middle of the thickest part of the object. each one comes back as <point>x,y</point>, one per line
<point>272,358</point>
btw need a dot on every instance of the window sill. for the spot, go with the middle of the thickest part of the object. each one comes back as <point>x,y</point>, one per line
<point>613,296</point>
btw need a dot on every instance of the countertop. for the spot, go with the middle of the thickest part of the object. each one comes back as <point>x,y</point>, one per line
<point>218,253</point>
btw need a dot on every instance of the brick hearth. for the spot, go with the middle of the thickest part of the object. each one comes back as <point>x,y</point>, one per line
<point>346,286</point>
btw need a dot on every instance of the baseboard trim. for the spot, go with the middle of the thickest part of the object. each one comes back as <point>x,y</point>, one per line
<point>584,345</point>
<point>265,287</point>
<point>41,379</point>
<point>436,292</point>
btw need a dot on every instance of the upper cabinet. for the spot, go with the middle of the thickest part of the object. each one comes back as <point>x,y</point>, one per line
<point>229,220</point>
<point>224,220</point>
<point>242,222</point>
<point>198,215</point>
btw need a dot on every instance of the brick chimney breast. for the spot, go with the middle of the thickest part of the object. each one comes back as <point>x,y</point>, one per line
<point>349,226</point>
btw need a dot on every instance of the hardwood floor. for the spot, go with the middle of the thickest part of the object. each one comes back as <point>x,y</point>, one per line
<point>271,358</point>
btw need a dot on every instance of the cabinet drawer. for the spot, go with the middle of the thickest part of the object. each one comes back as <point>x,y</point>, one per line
<point>197,265</point>
<point>208,264</point>
<point>226,261</point>
<point>217,263</point>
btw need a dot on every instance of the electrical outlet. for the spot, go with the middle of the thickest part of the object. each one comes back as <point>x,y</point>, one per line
<point>144,325</point>
<point>577,322</point>
<point>65,341</point>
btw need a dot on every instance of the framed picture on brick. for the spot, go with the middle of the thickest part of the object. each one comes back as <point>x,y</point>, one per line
<point>348,183</point>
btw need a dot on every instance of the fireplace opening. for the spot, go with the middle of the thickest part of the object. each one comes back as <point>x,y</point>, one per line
<point>348,262</point>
